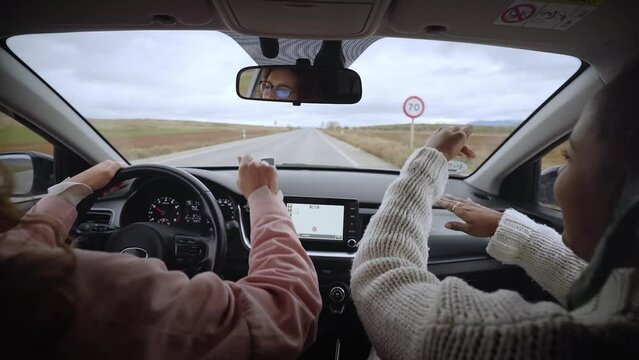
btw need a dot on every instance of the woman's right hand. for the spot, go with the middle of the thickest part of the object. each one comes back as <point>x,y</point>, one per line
<point>451,141</point>
<point>479,220</point>
<point>254,174</point>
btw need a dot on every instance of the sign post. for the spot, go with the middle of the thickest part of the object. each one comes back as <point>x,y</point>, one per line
<point>413,108</point>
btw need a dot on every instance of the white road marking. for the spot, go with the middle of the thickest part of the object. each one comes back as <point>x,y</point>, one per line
<point>330,142</point>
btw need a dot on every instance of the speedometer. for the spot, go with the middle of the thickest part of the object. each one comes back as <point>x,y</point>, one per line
<point>164,210</point>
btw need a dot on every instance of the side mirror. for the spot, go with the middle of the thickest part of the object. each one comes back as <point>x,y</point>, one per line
<point>32,172</point>
<point>299,84</point>
<point>547,185</point>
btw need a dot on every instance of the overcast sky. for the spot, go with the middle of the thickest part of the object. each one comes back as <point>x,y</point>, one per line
<point>187,75</point>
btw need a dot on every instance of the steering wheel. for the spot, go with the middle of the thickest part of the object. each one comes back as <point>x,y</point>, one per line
<point>180,249</point>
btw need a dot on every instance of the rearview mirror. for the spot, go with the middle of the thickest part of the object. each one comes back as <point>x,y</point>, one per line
<point>299,84</point>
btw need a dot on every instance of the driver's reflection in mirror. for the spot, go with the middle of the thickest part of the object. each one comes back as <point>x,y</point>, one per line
<point>279,83</point>
<point>76,303</point>
<point>282,83</point>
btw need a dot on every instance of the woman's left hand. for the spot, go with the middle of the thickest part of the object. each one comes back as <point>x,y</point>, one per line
<point>479,220</point>
<point>99,175</point>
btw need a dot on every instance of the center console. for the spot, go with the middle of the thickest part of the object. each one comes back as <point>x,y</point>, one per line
<point>325,224</point>
<point>326,227</point>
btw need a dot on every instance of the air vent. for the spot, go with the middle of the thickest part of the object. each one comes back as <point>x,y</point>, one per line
<point>98,217</point>
<point>364,219</point>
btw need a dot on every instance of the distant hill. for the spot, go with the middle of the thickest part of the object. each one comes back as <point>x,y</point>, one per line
<point>502,123</point>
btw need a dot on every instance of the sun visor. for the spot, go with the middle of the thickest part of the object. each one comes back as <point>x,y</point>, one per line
<point>304,19</point>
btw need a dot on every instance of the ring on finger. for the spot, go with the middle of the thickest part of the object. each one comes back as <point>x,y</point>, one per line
<point>454,206</point>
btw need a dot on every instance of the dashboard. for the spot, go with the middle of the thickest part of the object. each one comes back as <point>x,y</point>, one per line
<point>330,222</point>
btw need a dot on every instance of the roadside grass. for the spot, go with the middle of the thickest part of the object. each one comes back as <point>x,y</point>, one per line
<point>15,137</point>
<point>140,138</point>
<point>392,142</point>
<point>554,157</point>
<point>144,138</point>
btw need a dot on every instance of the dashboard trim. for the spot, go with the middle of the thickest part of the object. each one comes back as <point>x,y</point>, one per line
<point>345,255</point>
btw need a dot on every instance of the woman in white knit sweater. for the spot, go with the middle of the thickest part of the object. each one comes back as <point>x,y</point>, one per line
<point>409,314</point>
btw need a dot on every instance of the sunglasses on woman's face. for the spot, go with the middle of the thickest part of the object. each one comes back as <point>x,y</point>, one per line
<point>281,91</point>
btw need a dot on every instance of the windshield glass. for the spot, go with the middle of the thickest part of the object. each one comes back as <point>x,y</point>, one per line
<point>169,97</point>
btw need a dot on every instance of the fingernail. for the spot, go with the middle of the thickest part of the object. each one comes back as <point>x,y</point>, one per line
<point>447,226</point>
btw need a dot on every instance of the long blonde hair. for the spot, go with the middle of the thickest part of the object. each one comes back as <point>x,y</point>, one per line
<point>36,284</point>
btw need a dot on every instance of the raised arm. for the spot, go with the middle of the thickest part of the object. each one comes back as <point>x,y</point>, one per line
<point>407,312</point>
<point>391,285</point>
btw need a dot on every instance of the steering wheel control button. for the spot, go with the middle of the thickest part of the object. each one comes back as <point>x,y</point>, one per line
<point>189,251</point>
<point>85,227</point>
<point>92,228</point>
<point>337,294</point>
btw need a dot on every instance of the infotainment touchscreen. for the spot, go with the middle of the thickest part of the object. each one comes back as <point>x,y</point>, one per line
<point>317,221</point>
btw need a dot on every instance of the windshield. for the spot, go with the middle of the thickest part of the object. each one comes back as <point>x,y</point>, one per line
<point>169,97</point>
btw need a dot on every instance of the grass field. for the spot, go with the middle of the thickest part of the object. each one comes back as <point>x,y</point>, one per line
<point>392,142</point>
<point>137,139</point>
<point>15,137</point>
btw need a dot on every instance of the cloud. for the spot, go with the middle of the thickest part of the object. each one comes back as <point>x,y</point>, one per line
<point>191,75</point>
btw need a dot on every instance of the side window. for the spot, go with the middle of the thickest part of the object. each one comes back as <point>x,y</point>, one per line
<point>26,157</point>
<point>551,164</point>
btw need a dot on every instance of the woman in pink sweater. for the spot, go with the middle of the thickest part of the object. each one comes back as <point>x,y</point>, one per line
<point>84,304</point>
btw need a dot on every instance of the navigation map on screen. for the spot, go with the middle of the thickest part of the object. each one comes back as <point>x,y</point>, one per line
<point>316,221</point>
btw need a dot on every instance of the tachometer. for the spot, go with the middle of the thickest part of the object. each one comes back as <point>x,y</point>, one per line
<point>164,210</point>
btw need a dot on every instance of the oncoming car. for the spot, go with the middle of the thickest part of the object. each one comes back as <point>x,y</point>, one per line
<point>321,91</point>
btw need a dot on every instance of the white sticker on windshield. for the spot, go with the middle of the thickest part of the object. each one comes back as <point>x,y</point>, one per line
<point>456,167</point>
<point>552,15</point>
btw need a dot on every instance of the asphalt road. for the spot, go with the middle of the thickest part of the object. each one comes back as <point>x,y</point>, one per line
<point>303,146</point>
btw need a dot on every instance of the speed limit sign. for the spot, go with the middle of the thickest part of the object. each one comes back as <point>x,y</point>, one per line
<point>413,108</point>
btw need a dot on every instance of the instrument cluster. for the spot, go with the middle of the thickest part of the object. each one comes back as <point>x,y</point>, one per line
<point>169,204</point>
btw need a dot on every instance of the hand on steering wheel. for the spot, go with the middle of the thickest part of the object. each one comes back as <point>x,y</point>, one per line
<point>180,249</point>
<point>98,176</point>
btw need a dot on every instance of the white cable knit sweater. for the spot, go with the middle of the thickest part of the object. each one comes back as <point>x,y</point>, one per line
<point>409,314</point>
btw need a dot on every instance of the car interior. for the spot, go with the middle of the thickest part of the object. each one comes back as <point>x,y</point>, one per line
<point>211,229</point>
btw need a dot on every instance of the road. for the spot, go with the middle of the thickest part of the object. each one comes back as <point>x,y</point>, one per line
<point>303,146</point>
